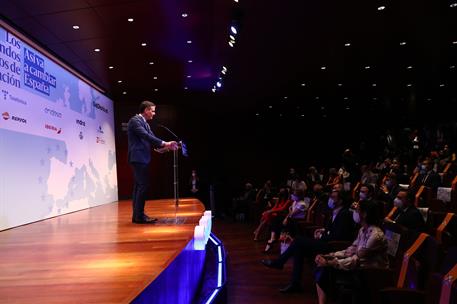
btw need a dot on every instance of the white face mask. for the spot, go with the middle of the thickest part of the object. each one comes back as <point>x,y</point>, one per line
<point>331,203</point>
<point>362,196</point>
<point>356,217</point>
<point>398,203</point>
<point>423,167</point>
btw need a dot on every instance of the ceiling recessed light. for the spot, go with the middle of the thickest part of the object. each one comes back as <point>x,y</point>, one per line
<point>348,108</point>
<point>303,115</point>
<point>347,44</point>
<point>429,99</point>
<point>323,67</point>
<point>223,72</point>
<point>374,84</point>
<point>76,27</point>
<point>151,62</point>
<point>185,88</point>
<point>124,93</point>
<point>346,98</point>
<point>110,67</point>
<point>156,90</point>
<point>184,15</point>
<point>257,114</point>
<point>409,67</point>
<point>97,50</point>
<point>367,67</point>
<point>442,85</point>
<point>189,41</point>
<point>232,37</point>
<point>374,98</point>
<point>303,84</point>
<point>230,43</point>
<point>188,76</point>
<point>322,108</point>
<point>409,85</point>
<point>214,90</point>
<point>317,97</point>
<point>233,30</point>
<point>285,97</point>
<point>271,107</point>
<point>130,19</point>
<point>381,8</point>
<point>340,84</point>
<point>143,44</point>
<point>454,42</point>
<point>189,61</point>
<point>403,43</point>
<point>119,81</point>
<point>155,77</point>
<point>453,4</point>
<point>452,67</point>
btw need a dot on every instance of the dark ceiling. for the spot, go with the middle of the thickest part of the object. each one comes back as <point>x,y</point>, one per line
<point>321,56</point>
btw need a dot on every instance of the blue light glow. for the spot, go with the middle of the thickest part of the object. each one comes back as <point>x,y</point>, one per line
<point>212,296</point>
<point>219,275</point>
<point>212,240</point>
<point>233,30</point>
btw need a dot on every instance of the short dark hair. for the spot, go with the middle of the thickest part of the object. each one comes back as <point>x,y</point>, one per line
<point>146,104</point>
<point>372,211</point>
<point>369,187</point>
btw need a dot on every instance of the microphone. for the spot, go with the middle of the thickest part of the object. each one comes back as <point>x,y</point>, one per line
<point>180,142</point>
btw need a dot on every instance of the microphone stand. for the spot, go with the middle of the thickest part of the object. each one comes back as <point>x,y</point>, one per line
<point>175,171</point>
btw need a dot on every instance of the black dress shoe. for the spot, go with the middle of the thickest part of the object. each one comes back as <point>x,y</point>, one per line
<point>271,264</point>
<point>147,218</point>
<point>291,288</point>
<point>145,221</point>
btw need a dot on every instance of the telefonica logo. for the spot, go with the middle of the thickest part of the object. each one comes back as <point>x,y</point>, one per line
<point>100,107</point>
<point>52,112</point>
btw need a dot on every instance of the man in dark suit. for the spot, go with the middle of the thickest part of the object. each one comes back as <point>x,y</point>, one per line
<point>407,214</point>
<point>428,177</point>
<point>340,227</point>
<point>141,140</point>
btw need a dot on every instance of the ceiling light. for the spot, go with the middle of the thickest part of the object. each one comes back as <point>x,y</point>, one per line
<point>257,114</point>
<point>454,42</point>
<point>143,44</point>
<point>285,97</point>
<point>236,1</point>
<point>429,99</point>
<point>347,44</point>
<point>156,90</point>
<point>231,43</point>
<point>303,115</point>
<point>189,76</point>
<point>76,27</point>
<point>409,85</point>
<point>409,67</point>
<point>453,4</point>
<point>184,15</point>
<point>452,67</point>
<point>323,67</point>
<point>374,84</point>
<point>403,43</point>
<point>233,30</point>
<point>189,41</point>
<point>303,84</point>
<point>119,81</point>
<point>96,50</point>
<point>442,85</point>
<point>218,84</point>
<point>214,90</point>
<point>185,88</point>
<point>346,98</point>
<point>189,61</point>
<point>224,68</point>
<point>223,72</point>
<point>232,37</point>
<point>367,67</point>
<point>340,84</point>
<point>130,19</point>
<point>155,77</point>
<point>348,108</point>
<point>322,108</point>
<point>317,97</point>
<point>381,8</point>
<point>270,107</point>
<point>374,98</point>
<point>110,67</point>
<point>151,62</point>
<point>124,93</point>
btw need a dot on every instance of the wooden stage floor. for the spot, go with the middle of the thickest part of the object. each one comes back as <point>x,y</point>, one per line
<point>92,256</point>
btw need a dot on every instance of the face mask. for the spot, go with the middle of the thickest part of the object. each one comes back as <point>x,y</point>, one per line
<point>423,167</point>
<point>331,203</point>
<point>294,198</point>
<point>398,203</point>
<point>356,217</point>
<point>362,196</point>
<point>389,184</point>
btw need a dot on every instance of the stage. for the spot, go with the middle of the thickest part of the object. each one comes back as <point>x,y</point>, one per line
<point>95,255</point>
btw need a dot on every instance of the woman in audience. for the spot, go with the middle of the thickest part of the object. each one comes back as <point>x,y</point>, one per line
<point>369,250</point>
<point>333,179</point>
<point>279,209</point>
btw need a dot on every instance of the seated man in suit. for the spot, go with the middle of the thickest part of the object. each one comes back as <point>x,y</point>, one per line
<point>428,177</point>
<point>407,214</point>
<point>340,227</point>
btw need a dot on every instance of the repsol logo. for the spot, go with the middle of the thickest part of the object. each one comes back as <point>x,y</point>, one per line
<point>100,107</point>
<point>19,119</point>
<point>80,122</point>
<point>52,112</point>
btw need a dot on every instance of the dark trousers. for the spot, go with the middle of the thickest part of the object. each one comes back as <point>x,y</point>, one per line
<point>299,249</point>
<point>140,188</point>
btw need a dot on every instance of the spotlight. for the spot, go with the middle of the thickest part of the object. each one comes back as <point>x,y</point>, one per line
<point>233,30</point>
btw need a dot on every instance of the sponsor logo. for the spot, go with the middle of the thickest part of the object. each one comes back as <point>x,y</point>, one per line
<point>53,128</point>
<point>7,116</point>
<point>13,98</point>
<point>100,107</point>
<point>5,93</point>
<point>100,140</point>
<point>100,130</point>
<point>80,122</point>
<point>81,135</point>
<point>52,112</point>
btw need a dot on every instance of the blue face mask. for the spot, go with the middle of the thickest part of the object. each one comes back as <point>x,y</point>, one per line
<point>331,203</point>
<point>294,198</point>
<point>362,196</point>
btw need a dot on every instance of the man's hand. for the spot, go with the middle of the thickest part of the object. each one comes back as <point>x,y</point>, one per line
<point>171,145</point>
